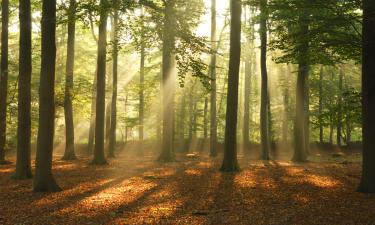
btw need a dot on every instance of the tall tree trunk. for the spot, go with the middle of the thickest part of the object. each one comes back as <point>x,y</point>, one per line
<point>213,123</point>
<point>321,134</point>
<point>4,77</point>
<point>99,157</point>
<point>285,124</point>
<point>182,123</point>
<point>23,164</point>
<point>43,180</point>
<point>205,122</point>
<point>339,107</point>
<point>141,92</point>
<point>307,116</point>
<point>112,131</point>
<point>331,122</point>
<point>91,138</point>
<point>191,117</point>
<point>264,132</point>
<point>168,83</point>
<point>68,106</point>
<point>367,184</point>
<point>246,115</point>
<point>300,154</point>
<point>230,162</point>
<point>108,107</point>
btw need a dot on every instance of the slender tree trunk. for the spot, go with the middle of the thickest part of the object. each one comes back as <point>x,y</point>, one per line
<point>331,117</point>
<point>230,162</point>
<point>246,115</point>
<point>167,150</point>
<point>4,77</point>
<point>112,131</point>
<point>213,123</point>
<point>91,138</point>
<point>307,115</point>
<point>321,134</point>
<point>141,93</point>
<point>99,157</point>
<point>68,106</point>
<point>23,164</point>
<point>182,123</point>
<point>43,180</point>
<point>205,122</point>
<point>264,132</point>
<point>339,107</point>
<point>191,117</point>
<point>367,184</point>
<point>285,124</point>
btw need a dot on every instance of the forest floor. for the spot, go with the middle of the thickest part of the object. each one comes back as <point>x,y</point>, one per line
<point>192,191</point>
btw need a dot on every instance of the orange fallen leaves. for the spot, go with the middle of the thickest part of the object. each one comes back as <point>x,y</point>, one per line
<point>191,191</point>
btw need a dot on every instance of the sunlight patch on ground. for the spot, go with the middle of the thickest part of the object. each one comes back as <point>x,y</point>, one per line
<point>193,172</point>
<point>322,181</point>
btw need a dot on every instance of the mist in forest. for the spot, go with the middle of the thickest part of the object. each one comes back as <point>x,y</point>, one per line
<point>134,112</point>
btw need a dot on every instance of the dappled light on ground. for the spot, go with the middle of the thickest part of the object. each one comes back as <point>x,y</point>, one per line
<point>190,191</point>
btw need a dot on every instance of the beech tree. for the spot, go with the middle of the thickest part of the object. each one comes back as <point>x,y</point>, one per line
<point>99,157</point>
<point>4,77</point>
<point>68,105</point>
<point>230,163</point>
<point>23,164</point>
<point>367,184</point>
<point>43,180</point>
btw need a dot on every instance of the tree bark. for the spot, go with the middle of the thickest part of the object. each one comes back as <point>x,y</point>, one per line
<point>141,92</point>
<point>4,77</point>
<point>300,132</point>
<point>112,131</point>
<point>367,184</point>
<point>23,164</point>
<point>43,180</point>
<point>339,107</point>
<point>205,122</point>
<point>230,163</point>
<point>167,150</point>
<point>264,132</point>
<point>307,115</point>
<point>247,89</point>
<point>99,157</point>
<point>68,106</point>
<point>213,123</point>
<point>321,134</point>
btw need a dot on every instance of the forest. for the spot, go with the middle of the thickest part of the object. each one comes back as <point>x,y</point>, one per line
<point>187,112</point>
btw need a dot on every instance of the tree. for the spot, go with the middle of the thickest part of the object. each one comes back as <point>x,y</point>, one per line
<point>247,90</point>
<point>339,106</point>
<point>43,180</point>
<point>367,184</point>
<point>168,82</point>
<point>23,164</point>
<point>321,134</point>
<point>230,163</point>
<point>141,88</point>
<point>301,91</point>
<point>99,157</point>
<point>112,131</point>
<point>213,123</point>
<point>264,131</point>
<point>4,77</point>
<point>69,83</point>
